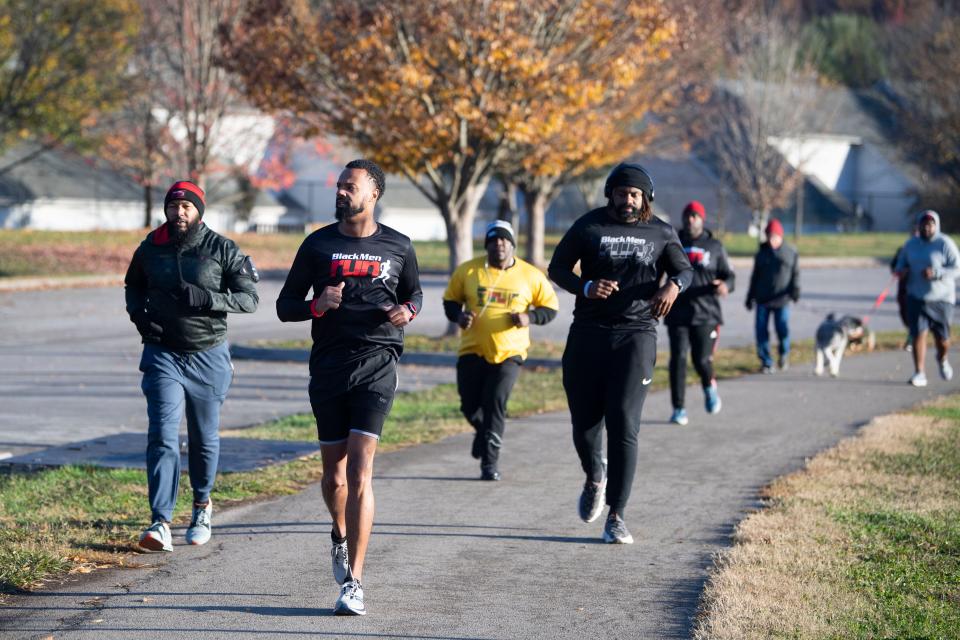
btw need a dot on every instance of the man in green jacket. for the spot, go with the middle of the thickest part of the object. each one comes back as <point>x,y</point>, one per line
<point>181,283</point>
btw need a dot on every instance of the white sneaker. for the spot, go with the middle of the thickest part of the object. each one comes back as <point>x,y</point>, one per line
<point>350,602</point>
<point>199,530</point>
<point>919,379</point>
<point>157,537</point>
<point>338,556</point>
<point>946,371</point>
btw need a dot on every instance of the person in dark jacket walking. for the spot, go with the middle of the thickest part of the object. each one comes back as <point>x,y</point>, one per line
<point>366,289</point>
<point>181,283</point>
<point>774,283</point>
<point>624,253</point>
<point>694,322</point>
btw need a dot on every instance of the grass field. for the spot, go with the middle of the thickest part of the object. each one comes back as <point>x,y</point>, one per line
<point>60,253</point>
<point>862,543</point>
<point>76,519</point>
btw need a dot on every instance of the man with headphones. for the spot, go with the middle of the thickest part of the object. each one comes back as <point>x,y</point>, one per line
<point>632,267</point>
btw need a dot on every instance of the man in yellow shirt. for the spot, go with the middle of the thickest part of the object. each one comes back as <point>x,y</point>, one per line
<point>494,298</point>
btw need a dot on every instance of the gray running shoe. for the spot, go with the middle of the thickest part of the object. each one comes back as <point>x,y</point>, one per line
<point>157,537</point>
<point>591,498</point>
<point>350,602</point>
<point>199,530</point>
<point>615,531</point>
<point>338,555</point>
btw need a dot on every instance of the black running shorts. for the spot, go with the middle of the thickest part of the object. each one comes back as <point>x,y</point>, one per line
<point>356,398</point>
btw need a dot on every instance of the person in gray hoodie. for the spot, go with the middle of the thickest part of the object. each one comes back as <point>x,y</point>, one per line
<point>930,263</point>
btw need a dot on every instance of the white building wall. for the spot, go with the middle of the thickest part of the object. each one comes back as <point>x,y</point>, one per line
<point>417,224</point>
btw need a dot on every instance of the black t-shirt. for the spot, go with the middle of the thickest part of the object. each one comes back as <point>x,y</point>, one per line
<point>635,255</point>
<point>379,271</point>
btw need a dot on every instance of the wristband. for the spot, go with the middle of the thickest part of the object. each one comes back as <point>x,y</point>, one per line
<point>412,309</point>
<point>586,289</point>
<point>313,308</point>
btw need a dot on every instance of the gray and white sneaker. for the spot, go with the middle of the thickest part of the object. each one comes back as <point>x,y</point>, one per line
<point>591,498</point>
<point>157,537</point>
<point>338,556</point>
<point>199,530</point>
<point>615,531</point>
<point>946,371</point>
<point>350,602</point>
<point>918,379</point>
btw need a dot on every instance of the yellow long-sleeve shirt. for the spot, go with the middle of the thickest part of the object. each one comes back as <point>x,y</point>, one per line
<point>492,295</point>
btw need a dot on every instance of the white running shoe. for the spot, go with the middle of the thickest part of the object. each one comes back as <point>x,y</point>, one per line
<point>157,537</point>
<point>946,371</point>
<point>919,379</point>
<point>339,559</point>
<point>350,602</point>
<point>199,530</point>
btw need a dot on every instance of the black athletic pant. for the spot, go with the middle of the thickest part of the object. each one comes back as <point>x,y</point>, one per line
<point>484,390</point>
<point>703,341</point>
<point>606,375</point>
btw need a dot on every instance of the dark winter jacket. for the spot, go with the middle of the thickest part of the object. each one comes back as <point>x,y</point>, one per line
<point>699,304</point>
<point>154,291</point>
<point>776,276</point>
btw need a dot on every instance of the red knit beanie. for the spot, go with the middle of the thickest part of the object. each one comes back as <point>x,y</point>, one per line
<point>694,206</point>
<point>185,190</point>
<point>774,227</point>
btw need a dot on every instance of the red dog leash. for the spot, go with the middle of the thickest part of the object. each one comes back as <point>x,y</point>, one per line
<point>880,298</point>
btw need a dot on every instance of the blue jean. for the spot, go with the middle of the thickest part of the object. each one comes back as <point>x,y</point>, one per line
<point>781,320</point>
<point>172,382</point>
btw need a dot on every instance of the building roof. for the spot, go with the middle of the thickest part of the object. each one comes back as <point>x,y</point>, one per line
<point>59,173</point>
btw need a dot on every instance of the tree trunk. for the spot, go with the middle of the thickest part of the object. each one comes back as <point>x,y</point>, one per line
<point>507,209</point>
<point>798,227</point>
<point>147,205</point>
<point>536,201</point>
<point>459,216</point>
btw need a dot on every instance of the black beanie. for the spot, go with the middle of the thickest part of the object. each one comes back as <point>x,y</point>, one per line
<point>499,229</point>
<point>185,190</point>
<point>628,174</point>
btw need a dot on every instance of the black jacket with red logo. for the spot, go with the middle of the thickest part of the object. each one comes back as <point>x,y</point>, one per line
<point>379,271</point>
<point>699,304</point>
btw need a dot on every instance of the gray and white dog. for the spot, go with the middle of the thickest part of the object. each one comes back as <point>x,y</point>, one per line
<point>833,338</point>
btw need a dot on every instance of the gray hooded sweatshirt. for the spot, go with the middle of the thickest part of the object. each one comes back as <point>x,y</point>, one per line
<point>940,253</point>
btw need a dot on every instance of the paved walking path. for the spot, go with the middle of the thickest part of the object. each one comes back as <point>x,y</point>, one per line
<point>452,557</point>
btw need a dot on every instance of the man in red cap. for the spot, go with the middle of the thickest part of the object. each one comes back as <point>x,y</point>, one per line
<point>181,283</point>
<point>775,281</point>
<point>695,319</point>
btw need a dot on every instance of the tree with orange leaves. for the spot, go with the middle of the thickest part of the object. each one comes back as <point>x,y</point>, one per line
<point>442,91</point>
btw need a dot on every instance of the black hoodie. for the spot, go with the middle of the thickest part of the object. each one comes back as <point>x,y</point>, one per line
<point>699,304</point>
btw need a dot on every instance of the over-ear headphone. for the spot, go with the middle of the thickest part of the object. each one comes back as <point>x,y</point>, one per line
<point>647,188</point>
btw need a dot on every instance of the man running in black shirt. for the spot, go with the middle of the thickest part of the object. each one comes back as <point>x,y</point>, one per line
<point>366,288</point>
<point>696,317</point>
<point>624,253</point>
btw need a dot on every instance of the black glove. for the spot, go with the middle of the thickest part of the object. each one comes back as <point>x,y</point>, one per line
<point>195,297</point>
<point>149,329</point>
<point>749,305</point>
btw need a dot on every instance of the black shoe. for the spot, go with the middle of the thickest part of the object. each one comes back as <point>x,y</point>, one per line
<point>490,474</point>
<point>477,449</point>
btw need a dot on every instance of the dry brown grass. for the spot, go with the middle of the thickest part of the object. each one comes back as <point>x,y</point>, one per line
<point>785,575</point>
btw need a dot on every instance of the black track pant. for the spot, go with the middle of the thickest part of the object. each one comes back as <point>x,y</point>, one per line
<point>484,390</point>
<point>606,375</point>
<point>701,340</point>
